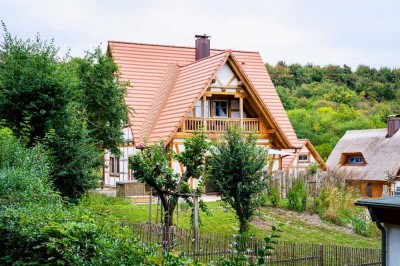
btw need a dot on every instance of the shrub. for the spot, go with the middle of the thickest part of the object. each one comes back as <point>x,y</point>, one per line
<point>337,204</point>
<point>55,234</point>
<point>297,196</point>
<point>24,174</point>
<point>274,197</point>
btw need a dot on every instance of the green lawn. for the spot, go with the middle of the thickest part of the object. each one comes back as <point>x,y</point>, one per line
<point>224,221</point>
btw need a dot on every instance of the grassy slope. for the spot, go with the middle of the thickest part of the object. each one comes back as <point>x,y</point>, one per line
<point>220,221</point>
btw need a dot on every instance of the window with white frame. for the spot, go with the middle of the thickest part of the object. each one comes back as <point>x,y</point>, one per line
<point>198,109</point>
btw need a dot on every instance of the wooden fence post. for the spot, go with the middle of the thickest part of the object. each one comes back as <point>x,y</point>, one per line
<point>306,181</point>
<point>196,223</point>
<point>321,255</point>
<point>151,207</point>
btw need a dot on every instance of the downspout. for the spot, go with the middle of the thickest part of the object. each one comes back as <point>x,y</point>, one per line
<point>383,234</point>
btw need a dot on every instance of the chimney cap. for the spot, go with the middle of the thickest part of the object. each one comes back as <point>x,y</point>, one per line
<point>204,36</point>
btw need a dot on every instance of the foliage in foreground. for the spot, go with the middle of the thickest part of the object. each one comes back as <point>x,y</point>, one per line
<point>236,168</point>
<point>38,228</point>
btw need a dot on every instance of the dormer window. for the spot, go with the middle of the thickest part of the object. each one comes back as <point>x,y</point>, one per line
<point>356,159</point>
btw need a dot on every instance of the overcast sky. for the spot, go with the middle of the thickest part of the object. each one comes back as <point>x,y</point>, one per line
<point>319,32</point>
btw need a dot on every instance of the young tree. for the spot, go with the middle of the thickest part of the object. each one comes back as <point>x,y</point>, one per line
<point>236,169</point>
<point>151,167</point>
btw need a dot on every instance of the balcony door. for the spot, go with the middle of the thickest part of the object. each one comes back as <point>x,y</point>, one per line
<point>221,108</point>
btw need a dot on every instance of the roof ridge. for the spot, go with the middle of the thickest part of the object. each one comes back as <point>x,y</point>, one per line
<point>205,58</point>
<point>180,46</point>
<point>152,44</point>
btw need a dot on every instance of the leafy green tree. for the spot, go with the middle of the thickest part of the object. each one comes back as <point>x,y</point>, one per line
<point>32,91</point>
<point>281,75</point>
<point>62,103</point>
<point>152,167</point>
<point>236,169</point>
<point>101,98</point>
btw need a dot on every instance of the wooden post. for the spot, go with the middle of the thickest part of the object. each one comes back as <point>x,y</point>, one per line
<point>306,193</point>
<point>321,255</point>
<point>204,113</point>
<point>315,192</point>
<point>151,206</point>
<point>151,212</point>
<point>241,111</point>
<point>196,224</point>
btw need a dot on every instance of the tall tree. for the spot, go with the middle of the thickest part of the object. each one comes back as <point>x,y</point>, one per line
<point>236,169</point>
<point>46,99</point>
<point>101,98</point>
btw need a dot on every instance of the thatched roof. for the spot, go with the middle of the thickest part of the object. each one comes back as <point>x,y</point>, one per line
<point>381,154</point>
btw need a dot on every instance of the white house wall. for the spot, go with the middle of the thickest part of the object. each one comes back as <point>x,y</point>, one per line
<point>225,74</point>
<point>126,151</point>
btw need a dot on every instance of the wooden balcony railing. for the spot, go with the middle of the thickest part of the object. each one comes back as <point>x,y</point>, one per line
<point>222,124</point>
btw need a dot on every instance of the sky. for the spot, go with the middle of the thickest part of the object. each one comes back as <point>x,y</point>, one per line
<point>319,32</point>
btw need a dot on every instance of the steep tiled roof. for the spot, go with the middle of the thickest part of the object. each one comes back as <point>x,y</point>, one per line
<point>166,82</point>
<point>190,85</point>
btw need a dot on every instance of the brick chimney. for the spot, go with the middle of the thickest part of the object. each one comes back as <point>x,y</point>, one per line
<point>202,46</point>
<point>393,125</point>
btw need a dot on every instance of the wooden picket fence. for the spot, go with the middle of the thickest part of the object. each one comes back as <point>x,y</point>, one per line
<point>212,246</point>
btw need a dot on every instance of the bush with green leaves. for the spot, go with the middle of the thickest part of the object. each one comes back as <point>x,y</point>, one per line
<point>297,196</point>
<point>241,248</point>
<point>274,197</point>
<point>24,173</point>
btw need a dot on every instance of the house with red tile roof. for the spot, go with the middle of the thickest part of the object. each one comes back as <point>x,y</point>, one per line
<point>177,90</point>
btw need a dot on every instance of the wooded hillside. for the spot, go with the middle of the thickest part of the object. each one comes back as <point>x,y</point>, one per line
<point>324,102</point>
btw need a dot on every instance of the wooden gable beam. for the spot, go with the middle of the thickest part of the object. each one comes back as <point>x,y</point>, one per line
<point>279,137</point>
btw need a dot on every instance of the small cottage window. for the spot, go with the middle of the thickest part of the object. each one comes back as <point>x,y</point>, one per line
<point>303,157</point>
<point>114,166</point>
<point>356,160</point>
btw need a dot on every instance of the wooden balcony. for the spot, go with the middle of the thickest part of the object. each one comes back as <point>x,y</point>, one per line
<point>220,125</point>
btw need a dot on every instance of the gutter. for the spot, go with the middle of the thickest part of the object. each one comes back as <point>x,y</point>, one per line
<point>383,234</point>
